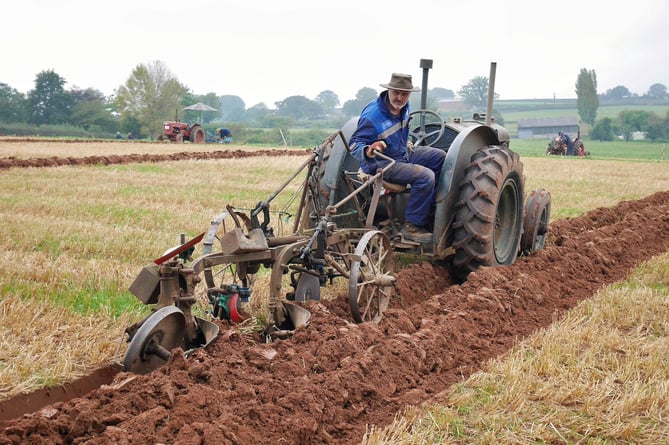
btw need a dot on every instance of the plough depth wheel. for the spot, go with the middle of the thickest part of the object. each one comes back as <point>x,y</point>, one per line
<point>371,283</point>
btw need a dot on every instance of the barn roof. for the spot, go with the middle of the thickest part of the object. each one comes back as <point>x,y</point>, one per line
<point>548,122</point>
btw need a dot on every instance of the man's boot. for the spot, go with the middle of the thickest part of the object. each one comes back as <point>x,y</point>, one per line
<point>416,233</point>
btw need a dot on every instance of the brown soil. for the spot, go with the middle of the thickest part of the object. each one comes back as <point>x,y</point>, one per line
<point>334,378</point>
<point>55,161</point>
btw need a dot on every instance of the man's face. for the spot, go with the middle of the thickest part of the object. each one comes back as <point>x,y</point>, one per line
<point>397,99</point>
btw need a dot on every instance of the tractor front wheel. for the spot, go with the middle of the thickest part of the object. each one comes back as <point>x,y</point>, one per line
<point>489,213</point>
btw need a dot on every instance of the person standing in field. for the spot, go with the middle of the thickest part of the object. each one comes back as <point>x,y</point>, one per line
<point>225,135</point>
<point>383,126</point>
<point>566,141</point>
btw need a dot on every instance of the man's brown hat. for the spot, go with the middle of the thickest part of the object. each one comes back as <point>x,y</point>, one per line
<point>400,82</point>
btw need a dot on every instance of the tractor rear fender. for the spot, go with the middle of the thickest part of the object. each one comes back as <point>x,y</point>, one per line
<point>468,141</point>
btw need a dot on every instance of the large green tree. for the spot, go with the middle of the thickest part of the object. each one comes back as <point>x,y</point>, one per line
<point>617,93</point>
<point>328,100</point>
<point>475,92</point>
<point>232,108</point>
<point>657,128</point>
<point>587,100</point>
<point>603,130</point>
<point>257,113</point>
<point>150,96</point>
<point>13,105</point>
<point>657,91</point>
<point>49,102</point>
<point>362,98</point>
<point>298,107</point>
<point>90,109</point>
<point>636,120</point>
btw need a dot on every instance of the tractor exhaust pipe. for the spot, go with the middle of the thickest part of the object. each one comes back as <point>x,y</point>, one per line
<point>426,65</point>
<point>491,93</point>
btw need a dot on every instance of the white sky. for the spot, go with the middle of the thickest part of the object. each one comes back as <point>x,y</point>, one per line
<point>267,50</point>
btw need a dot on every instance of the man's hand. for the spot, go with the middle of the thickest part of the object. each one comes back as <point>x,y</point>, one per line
<point>371,150</point>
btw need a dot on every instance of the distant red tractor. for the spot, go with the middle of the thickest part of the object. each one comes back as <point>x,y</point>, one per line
<point>177,131</point>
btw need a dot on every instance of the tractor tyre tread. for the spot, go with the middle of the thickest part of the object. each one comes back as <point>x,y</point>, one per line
<point>197,135</point>
<point>488,214</point>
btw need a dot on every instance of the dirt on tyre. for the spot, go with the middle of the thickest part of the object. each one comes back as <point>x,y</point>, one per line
<point>489,213</point>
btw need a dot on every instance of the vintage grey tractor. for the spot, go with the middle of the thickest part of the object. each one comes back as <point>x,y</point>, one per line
<point>345,225</point>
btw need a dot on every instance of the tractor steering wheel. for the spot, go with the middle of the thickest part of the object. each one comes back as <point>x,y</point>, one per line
<point>419,134</point>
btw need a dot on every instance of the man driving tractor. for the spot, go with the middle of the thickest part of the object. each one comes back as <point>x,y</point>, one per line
<point>383,126</point>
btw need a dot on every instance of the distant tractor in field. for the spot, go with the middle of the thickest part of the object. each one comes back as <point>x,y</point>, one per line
<point>556,147</point>
<point>177,131</point>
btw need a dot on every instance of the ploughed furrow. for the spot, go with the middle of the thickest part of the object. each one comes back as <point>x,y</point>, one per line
<point>334,378</point>
<point>56,161</point>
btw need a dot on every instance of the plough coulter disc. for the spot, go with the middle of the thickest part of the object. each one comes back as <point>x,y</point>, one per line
<point>151,345</point>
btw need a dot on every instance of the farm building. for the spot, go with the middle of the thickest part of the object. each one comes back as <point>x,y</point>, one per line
<point>547,127</point>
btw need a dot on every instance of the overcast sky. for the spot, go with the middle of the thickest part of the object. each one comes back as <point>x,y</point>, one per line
<point>267,50</point>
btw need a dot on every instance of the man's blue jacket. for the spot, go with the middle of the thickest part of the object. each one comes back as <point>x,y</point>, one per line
<point>377,123</point>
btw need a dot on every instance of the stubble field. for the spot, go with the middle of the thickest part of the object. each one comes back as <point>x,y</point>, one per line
<point>555,348</point>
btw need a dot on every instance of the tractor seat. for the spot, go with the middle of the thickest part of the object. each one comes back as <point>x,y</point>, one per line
<point>389,186</point>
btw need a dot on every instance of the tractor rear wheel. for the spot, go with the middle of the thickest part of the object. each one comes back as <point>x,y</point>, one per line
<point>197,135</point>
<point>489,212</point>
<point>535,221</point>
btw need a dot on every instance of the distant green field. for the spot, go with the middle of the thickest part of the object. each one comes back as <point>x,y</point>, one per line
<point>606,111</point>
<point>641,150</point>
<point>513,110</point>
<point>548,111</point>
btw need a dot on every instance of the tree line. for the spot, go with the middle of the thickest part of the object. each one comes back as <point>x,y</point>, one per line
<point>152,94</point>
<point>627,122</point>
